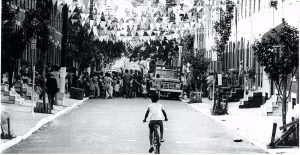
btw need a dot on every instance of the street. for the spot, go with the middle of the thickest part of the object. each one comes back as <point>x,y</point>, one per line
<point>115,126</point>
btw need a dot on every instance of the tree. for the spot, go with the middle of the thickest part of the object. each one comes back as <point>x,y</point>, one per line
<point>280,64</point>
<point>37,26</point>
<point>223,28</point>
<point>13,39</point>
<point>199,64</point>
<point>196,58</point>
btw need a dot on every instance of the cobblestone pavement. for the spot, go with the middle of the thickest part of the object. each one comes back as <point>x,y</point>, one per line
<point>115,126</point>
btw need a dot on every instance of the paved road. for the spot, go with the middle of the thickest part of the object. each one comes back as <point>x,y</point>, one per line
<point>115,126</point>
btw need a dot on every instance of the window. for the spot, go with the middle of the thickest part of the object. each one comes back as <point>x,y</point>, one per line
<point>254,6</point>
<point>250,8</point>
<point>245,8</point>
<point>258,5</point>
<point>242,8</point>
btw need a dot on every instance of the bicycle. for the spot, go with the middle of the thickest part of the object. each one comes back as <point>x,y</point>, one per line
<point>156,140</point>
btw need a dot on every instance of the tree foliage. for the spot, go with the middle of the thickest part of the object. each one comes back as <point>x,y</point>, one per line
<point>223,27</point>
<point>279,53</point>
<point>84,48</point>
<point>164,50</point>
<point>198,62</point>
<point>37,24</point>
<point>13,38</point>
<point>285,62</point>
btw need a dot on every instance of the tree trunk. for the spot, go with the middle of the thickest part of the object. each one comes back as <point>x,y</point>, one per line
<point>11,74</point>
<point>43,80</point>
<point>284,99</point>
<point>10,78</point>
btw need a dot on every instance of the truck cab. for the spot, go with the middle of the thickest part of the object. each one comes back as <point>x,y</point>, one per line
<point>171,84</point>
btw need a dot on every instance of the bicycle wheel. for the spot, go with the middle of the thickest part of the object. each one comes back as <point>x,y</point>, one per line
<point>157,142</point>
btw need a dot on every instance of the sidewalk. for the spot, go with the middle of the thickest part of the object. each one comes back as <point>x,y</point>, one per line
<point>24,123</point>
<point>248,123</point>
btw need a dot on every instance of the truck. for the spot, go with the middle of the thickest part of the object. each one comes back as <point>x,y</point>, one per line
<point>171,86</point>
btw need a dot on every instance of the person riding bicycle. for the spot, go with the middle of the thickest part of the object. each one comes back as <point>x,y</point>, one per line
<point>156,118</point>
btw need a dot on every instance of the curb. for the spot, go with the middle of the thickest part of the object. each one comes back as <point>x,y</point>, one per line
<point>39,124</point>
<point>241,133</point>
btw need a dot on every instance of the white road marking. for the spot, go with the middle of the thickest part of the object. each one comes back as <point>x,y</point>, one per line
<point>130,140</point>
<point>182,142</point>
<point>167,129</point>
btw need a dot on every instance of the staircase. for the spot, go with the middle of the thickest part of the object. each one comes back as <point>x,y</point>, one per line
<point>5,94</point>
<point>18,94</point>
<point>234,94</point>
<point>26,91</point>
<point>252,100</point>
<point>272,107</point>
<point>10,97</point>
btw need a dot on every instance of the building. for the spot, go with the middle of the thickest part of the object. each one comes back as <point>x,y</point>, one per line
<point>252,19</point>
<point>31,55</point>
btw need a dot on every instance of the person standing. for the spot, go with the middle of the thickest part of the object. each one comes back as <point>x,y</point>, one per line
<point>210,82</point>
<point>184,83</point>
<point>57,77</point>
<point>117,89</point>
<point>107,85</point>
<point>139,80</point>
<point>97,89</point>
<point>135,84</point>
<point>131,84</point>
<point>92,87</point>
<point>158,84</point>
<point>127,78</point>
<point>144,89</point>
<point>51,89</point>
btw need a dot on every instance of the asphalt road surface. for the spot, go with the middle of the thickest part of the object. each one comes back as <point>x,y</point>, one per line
<point>115,126</point>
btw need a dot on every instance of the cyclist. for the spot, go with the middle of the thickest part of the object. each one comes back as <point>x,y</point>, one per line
<point>156,118</point>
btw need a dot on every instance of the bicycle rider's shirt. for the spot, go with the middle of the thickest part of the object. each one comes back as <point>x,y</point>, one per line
<point>155,110</point>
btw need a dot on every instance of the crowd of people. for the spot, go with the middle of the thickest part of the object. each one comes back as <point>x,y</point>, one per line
<point>127,84</point>
<point>107,85</point>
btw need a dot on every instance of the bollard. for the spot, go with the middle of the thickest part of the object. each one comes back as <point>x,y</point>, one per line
<point>273,134</point>
<point>8,126</point>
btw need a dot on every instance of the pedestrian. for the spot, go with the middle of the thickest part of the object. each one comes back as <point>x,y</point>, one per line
<point>117,89</point>
<point>113,84</point>
<point>135,84</point>
<point>57,77</point>
<point>158,84</point>
<point>51,90</point>
<point>131,84</point>
<point>126,81</point>
<point>184,84</point>
<point>96,82</point>
<point>92,87</point>
<point>139,80</point>
<point>189,80</point>
<point>144,89</point>
<point>210,82</point>
<point>86,85</point>
<point>107,85</point>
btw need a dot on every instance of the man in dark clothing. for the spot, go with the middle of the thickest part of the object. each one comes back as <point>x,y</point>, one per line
<point>51,89</point>
<point>127,78</point>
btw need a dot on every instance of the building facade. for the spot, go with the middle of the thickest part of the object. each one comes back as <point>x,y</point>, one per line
<point>252,19</point>
<point>32,55</point>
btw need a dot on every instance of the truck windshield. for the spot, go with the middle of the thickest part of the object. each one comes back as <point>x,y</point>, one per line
<point>165,73</point>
